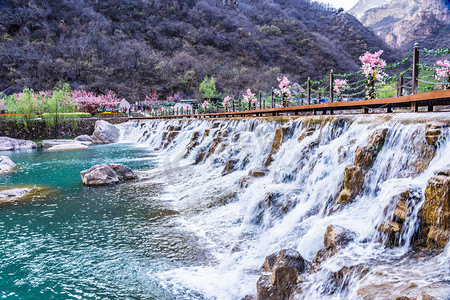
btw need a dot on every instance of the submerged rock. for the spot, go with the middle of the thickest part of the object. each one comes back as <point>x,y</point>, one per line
<point>6,165</point>
<point>286,265</point>
<point>435,212</point>
<point>105,133</point>
<point>106,174</point>
<point>12,195</point>
<point>7,143</point>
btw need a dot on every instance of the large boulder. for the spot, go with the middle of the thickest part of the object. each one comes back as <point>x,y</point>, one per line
<point>105,133</point>
<point>7,143</point>
<point>285,266</point>
<point>106,174</point>
<point>435,212</point>
<point>6,165</point>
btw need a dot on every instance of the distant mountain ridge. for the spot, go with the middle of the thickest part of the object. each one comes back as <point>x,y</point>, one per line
<point>401,23</point>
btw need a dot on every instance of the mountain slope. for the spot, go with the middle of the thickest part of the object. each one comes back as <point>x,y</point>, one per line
<point>131,46</point>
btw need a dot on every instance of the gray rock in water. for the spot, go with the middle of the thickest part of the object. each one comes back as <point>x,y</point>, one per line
<point>67,147</point>
<point>56,142</point>
<point>84,139</point>
<point>7,143</point>
<point>105,133</point>
<point>106,174</point>
<point>6,165</point>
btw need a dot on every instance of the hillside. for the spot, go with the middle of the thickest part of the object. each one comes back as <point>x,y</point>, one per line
<point>401,23</point>
<point>131,47</point>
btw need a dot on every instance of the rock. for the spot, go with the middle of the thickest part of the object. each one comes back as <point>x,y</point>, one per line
<point>278,140</point>
<point>67,147</point>
<point>205,134</point>
<point>56,142</point>
<point>168,137</point>
<point>84,139</point>
<point>433,133</point>
<point>215,143</point>
<point>199,157</point>
<point>106,174</point>
<point>397,212</point>
<point>288,257</point>
<point>244,182</point>
<point>435,212</point>
<point>334,238</point>
<point>365,157</point>
<point>12,195</point>
<point>286,265</point>
<point>258,172</point>
<point>192,143</point>
<point>265,290</point>
<point>337,236</point>
<point>307,132</point>
<point>6,165</point>
<point>173,128</point>
<point>341,279</point>
<point>105,133</point>
<point>230,166</point>
<point>7,144</point>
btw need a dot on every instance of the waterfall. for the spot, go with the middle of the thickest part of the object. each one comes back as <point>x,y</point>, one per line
<point>251,187</point>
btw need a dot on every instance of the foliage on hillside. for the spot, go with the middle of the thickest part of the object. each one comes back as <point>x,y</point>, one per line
<point>132,46</point>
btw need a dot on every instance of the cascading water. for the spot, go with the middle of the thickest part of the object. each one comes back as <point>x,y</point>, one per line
<point>249,188</point>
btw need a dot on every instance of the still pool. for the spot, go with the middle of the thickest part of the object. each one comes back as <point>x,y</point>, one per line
<point>89,243</point>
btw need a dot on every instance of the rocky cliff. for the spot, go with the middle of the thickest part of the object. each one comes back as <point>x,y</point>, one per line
<point>402,23</point>
<point>363,5</point>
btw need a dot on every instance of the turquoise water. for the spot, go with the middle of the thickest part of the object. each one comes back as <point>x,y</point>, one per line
<point>89,243</point>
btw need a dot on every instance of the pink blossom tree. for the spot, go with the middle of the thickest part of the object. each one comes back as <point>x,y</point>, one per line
<point>226,102</point>
<point>284,92</point>
<point>443,72</point>
<point>90,102</point>
<point>249,98</point>
<point>372,66</point>
<point>339,86</point>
